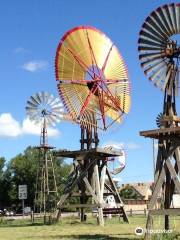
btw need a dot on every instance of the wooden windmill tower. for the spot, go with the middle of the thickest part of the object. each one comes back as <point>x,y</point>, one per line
<point>94,87</point>
<point>159,55</point>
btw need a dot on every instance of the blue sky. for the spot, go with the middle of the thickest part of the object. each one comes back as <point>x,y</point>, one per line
<point>30,33</point>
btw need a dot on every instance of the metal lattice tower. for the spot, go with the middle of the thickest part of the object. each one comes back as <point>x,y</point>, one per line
<point>44,109</point>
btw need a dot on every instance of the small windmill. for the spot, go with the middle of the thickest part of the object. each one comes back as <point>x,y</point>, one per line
<point>159,54</point>
<point>45,110</point>
<point>94,86</point>
<point>117,164</point>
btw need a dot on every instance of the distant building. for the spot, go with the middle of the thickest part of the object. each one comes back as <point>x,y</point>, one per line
<point>136,196</point>
<point>141,190</point>
<point>175,201</point>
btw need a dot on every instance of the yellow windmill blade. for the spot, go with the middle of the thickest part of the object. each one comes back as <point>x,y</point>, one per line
<point>92,77</point>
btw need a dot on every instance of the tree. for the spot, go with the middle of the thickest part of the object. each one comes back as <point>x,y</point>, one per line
<point>128,193</point>
<point>2,164</point>
<point>2,183</point>
<point>22,169</point>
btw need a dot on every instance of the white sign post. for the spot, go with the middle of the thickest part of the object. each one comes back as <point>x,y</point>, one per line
<point>22,194</point>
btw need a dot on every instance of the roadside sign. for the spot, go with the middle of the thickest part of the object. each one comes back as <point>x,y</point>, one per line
<point>22,193</point>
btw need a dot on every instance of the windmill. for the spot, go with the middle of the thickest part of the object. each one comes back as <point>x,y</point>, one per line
<point>118,163</point>
<point>159,54</point>
<point>93,84</point>
<point>45,110</point>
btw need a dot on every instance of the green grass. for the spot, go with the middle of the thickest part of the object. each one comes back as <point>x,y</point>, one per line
<point>71,228</point>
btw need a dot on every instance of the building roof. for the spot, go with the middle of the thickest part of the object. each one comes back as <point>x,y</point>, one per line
<point>141,188</point>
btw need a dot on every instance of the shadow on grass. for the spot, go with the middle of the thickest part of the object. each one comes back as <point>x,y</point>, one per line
<point>91,237</point>
<point>78,222</point>
<point>12,223</point>
<point>23,224</point>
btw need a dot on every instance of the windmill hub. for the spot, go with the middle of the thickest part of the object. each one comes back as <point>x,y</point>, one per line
<point>42,105</point>
<point>172,50</point>
<point>44,112</point>
<point>93,85</point>
<point>95,80</point>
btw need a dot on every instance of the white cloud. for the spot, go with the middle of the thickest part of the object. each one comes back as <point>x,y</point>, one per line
<point>28,127</point>
<point>9,127</point>
<point>35,65</point>
<point>117,179</point>
<point>118,145</point>
<point>20,50</point>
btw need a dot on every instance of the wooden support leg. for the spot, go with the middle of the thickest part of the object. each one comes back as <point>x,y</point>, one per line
<point>167,198</point>
<point>82,212</point>
<point>82,200</point>
<point>177,157</point>
<point>102,181</point>
<point>98,192</point>
<point>100,216</point>
<point>58,215</point>
<point>159,161</point>
<point>118,198</point>
<point>149,226</point>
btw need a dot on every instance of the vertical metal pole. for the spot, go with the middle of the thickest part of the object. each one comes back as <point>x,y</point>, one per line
<point>154,160</point>
<point>82,141</point>
<point>167,197</point>
<point>23,207</point>
<point>55,184</point>
<point>47,175</point>
<point>44,190</point>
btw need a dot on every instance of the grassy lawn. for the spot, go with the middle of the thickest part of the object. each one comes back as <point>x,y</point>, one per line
<point>71,228</point>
